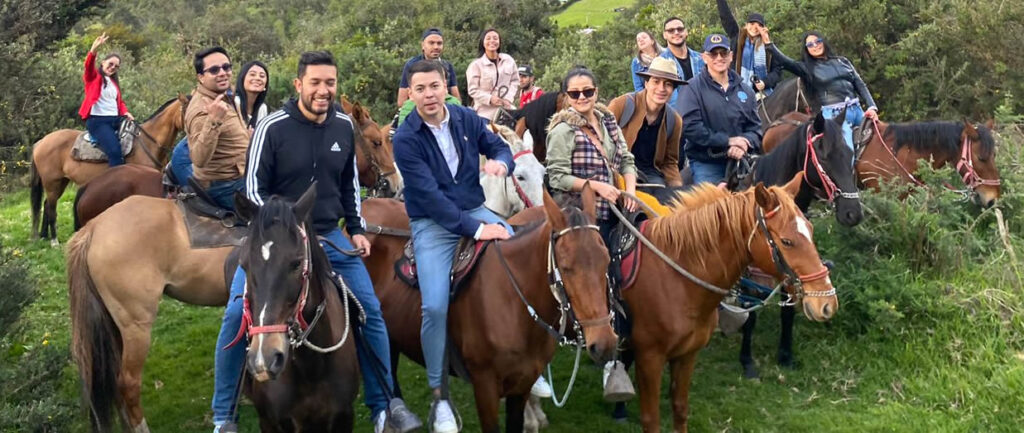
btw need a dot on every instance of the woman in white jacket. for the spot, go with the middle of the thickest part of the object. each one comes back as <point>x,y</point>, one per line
<point>493,77</point>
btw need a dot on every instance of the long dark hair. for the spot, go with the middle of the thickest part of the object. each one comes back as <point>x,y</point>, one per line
<point>243,95</point>
<point>809,60</point>
<point>113,77</point>
<point>480,45</point>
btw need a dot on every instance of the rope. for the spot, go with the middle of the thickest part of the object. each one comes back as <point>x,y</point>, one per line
<point>572,380</point>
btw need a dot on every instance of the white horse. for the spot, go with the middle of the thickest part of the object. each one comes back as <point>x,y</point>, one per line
<point>501,194</point>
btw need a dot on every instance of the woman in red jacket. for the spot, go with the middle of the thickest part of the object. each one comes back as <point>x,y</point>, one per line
<point>103,108</point>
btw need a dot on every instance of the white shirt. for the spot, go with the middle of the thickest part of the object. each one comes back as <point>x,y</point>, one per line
<point>107,104</point>
<point>443,135</point>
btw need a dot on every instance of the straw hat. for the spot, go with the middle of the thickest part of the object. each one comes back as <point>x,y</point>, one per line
<point>663,68</point>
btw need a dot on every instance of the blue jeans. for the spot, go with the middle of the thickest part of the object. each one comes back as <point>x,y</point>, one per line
<point>434,247</point>
<point>181,163</point>
<point>652,175</point>
<point>710,172</point>
<point>228,364</point>
<point>223,192</point>
<point>103,129</point>
<point>854,117</point>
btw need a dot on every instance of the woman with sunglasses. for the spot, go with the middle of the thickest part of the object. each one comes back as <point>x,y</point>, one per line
<point>832,80</point>
<point>103,109</point>
<point>493,78</point>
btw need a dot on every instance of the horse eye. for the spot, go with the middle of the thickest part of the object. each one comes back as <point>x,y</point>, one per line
<point>295,264</point>
<point>520,177</point>
<point>787,242</point>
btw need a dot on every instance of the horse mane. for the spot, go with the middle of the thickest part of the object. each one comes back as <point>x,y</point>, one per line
<point>160,110</point>
<point>279,211</point>
<point>937,136</point>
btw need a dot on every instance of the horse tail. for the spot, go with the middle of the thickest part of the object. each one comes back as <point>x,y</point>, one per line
<point>95,340</point>
<point>36,195</point>
<point>74,208</point>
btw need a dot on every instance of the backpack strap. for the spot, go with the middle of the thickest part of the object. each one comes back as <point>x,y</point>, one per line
<point>628,109</point>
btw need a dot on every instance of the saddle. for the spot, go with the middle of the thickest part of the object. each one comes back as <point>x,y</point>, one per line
<point>209,225</point>
<point>625,257</point>
<point>85,149</point>
<point>862,135</point>
<point>467,253</point>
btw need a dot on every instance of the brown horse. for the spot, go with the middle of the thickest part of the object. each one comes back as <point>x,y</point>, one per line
<point>716,235</point>
<point>895,148</point>
<point>502,348</point>
<point>53,167</point>
<point>115,283</point>
<point>303,374</point>
<point>374,162</point>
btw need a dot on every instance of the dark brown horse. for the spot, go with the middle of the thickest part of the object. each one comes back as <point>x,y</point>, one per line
<point>501,346</point>
<point>534,117</point>
<point>715,235</point>
<point>788,96</point>
<point>303,374</point>
<point>53,167</point>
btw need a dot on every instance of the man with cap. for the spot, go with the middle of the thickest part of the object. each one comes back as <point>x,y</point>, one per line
<point>432,45</point>
<point>750,57</point>
<point>720,120</point>
<point>651,127</point>
<point>527,91</point>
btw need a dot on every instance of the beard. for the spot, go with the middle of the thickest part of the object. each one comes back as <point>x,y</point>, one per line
<point>307,103</point>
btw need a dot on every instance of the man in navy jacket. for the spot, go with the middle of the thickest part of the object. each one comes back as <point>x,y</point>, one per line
<point>437,149</point>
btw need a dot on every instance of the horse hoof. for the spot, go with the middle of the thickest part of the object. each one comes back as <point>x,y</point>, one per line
<point>750,372</point>
<point>787,361</point>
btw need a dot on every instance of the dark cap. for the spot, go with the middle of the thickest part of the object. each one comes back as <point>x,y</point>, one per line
<point>715,40</point>
<point>431,31</point>
<point>756,18</point>
<point>526,70</point>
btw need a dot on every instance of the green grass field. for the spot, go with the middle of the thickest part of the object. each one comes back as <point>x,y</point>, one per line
<point>960,375</point>
<point>589,13</point>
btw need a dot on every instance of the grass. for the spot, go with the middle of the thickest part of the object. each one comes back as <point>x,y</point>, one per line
<point>590,13</point>
<point>957,366</point>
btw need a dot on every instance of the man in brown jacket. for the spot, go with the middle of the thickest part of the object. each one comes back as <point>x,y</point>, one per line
<point>217,136</point>
<point>650,126</point>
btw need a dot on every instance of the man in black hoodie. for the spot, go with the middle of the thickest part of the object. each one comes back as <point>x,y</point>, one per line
<point>309,140</point>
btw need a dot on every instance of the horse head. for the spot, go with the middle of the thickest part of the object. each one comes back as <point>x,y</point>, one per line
<point>977,163</point>
<point>526,189</point>
<point>278,255</point>
<point>829,168</point>
<point>376,160</point>
<point>782,244</point>
<point>581,258</point>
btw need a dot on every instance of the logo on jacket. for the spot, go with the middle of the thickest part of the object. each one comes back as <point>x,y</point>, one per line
<point>742,95</point>
<point>335,148</point>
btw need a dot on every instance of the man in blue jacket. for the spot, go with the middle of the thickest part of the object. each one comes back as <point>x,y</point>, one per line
<point>720,115</point>
<point>437,149</point>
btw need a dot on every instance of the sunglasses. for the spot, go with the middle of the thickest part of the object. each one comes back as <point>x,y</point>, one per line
<point>813,43</point>
<point>586,93</point>
<point>676,30</point>
<point>214,70</point>
<point>719,53</point>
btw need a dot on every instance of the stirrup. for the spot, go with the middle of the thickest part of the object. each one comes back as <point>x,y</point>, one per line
<point>618,387</point>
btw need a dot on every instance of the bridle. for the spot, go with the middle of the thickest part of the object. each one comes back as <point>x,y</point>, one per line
<point>515,182</point>
<point>381,185</point>
<point>782,266</point>
<point>828,186</point>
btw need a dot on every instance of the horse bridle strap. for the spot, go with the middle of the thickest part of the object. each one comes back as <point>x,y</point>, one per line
<point>781,265</point>
<point>136,126</point>
<point>515,182</point>
<point>828,186</point>
<point>966,164</point>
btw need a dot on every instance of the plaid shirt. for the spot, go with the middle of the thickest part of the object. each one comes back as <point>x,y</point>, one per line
<point>588,162</point>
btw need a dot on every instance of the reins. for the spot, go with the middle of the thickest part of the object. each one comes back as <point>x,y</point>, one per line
<point>828,186</point>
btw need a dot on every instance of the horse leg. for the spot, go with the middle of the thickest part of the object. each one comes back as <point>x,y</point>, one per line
<point>648,374</point>
<point>344,420</point>
<point>54,190</point>
<point>515,408</point>
<point>485,392</point>
<point>785,355</point>
<point>136,337</point>
<point>682,372</point>
<point>746,352</point>
<point>397,390</point>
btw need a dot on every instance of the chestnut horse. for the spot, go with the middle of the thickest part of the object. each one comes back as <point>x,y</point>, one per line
<point>714,234</point>
<point>490,326</point>
<point>53,167</point>
<point>303,374</point>
<point>374,162</point>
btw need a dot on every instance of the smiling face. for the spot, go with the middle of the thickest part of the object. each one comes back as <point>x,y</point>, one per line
<point>659,90</point>
<point>215,77</point>
<point>317,88</point>
<point>111,65</point>
<point>255,79</point>
<point>753,28</point>
<point>815,46</point>
<point>675,33</point>
<point>580,86</point>
<point>492,42</point>
<point>643,42</point>
<point>432,46</point>
<point>718,60</point>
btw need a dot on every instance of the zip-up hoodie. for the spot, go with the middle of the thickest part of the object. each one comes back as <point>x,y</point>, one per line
<point>288,152</point>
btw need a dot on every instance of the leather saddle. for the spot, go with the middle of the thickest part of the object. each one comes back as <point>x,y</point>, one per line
<point>85,148</point>
<point>209,225</point>
<point>862,135</point>
<point>625,257</point>
<point>467,253</point>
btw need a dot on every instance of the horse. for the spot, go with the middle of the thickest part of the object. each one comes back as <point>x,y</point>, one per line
<point>715,234</point>
<point>534,117</point>
<point>374,162</point>
<point>53,167</point>
<point>788,96</point>
<point>492,333</point>
<point>115,284</point>
<point>895,149</point>
<point>507,196</point>
<point>301,358</point>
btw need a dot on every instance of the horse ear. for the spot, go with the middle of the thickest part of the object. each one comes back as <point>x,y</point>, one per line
<point>819,122</point>
<point>970,131</point>
<point>304,206</point>
<point>358,113</point>
<point>990,124</point>
<point>245,208</point>
<point>182,99</point>
<point>763,197</point>
<point>589,202</point>
<point>793,186</point>
<point>554,213</point>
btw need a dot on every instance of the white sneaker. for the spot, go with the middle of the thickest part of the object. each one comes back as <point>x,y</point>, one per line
<point>378,425</point>
<point>541,388</point>
<point>444,419</point>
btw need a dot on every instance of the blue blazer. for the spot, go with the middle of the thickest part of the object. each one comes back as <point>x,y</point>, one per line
<point>430,189</point>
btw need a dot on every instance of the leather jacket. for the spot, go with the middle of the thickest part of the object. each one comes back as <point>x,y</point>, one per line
<point>833,80</point>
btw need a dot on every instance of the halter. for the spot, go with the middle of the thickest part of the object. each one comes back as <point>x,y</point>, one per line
<point>965,168</point>
<point>515,182</point>
<point>827,185</point>
<point>782,266</point>
<point>903,168</point>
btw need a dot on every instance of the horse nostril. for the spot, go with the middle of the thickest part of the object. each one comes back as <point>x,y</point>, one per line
<point>277,364</point>
<point>826,311</point>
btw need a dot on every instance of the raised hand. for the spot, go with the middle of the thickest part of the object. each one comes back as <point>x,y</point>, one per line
<point>217,109</point>
<point>99,41</point>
